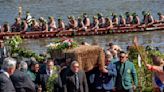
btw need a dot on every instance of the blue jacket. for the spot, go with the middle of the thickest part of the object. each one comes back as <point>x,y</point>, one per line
<point>105,81</point>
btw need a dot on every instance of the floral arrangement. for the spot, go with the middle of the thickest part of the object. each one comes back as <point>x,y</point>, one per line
<point>62,44</point>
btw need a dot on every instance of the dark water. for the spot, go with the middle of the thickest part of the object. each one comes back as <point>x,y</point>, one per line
<point>63,8</point>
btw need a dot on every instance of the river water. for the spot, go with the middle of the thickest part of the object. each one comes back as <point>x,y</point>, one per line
<point>63,8</point>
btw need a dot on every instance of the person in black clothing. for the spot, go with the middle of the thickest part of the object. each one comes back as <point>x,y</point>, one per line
<point>75,79</point>
<point>46,73</point>
<point>21,80</point>
<point>8,68</point>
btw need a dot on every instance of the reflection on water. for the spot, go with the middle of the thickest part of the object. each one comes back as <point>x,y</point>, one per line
<point>155,39</point>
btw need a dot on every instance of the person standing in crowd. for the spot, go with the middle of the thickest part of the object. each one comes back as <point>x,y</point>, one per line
<point>21,80</point>
<point>33,72</point>
<point>126,74</point>
<point>46,73</point>
<point>3,52</point>
<point>75,79</point>
<point>105,82</point>
<point>8,68</point>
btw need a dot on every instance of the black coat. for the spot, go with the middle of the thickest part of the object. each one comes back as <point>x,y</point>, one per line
<point>6,84</point>
<point>70,85</point>
<point>22,82</point>
<point>42,79</point>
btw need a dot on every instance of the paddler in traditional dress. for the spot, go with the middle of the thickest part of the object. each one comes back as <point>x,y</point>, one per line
<point>24,25</point>
<point>101,20</point>
<point>144,16</point>
<point>5,27</point>
<point>28,18</point>
<point>43,24</point>
<point>136,19</point>
<point>129,18</point>
<point>149,19</point>
<point>108,23</point>
<point>61,24</point>
<point>16,27</point>
<point>95,24</point>
<point>72,24</point>
<point>35,26</point>
<point>81,24</point>
<point>161,17</point>
<point>114,19</point>
<point>51,23</point>
<point>86,20</point>
<point>122,21</point>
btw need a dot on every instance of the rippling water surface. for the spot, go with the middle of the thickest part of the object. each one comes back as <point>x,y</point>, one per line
<point>63,8</point>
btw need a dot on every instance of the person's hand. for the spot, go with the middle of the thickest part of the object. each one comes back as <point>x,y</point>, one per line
<point>104,70</point>
<point>134,87</point>
<point>39,88</point>
<point>148,66</point>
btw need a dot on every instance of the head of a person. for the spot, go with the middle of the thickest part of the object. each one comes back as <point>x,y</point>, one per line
<point>23,66</point>
<point>85,15</point>
<point>108,57</point>
<point>50,64</point>
<point>159,13</point>
<point>75,66</point>
<point>123,56</point>
<point>9,65</point>
<point>35,66</point>
<point>115,49</point>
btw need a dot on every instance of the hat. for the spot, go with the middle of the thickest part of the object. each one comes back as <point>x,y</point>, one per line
<point>159,13</point>
<point>95,17</point>
<point>99,14</point>
<point>50,17</point>
<point>134,14</point>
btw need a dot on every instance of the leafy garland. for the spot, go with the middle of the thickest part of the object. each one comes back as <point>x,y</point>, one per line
<point>62,44</point>
<point>15,49</point>
<point>51,80</point>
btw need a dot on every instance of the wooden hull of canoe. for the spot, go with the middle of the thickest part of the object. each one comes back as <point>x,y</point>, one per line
<point>100,31</point>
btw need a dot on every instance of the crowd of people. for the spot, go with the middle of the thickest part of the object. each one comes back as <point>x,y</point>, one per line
<point>31,76</point>
<point>29,23</point>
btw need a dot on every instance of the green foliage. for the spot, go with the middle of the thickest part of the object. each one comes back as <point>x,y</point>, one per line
<point>60,45</point>
<point>144,76</point>
<point>51,80</point>
<point>14,45</point>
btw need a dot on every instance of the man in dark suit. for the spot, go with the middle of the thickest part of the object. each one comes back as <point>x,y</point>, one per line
<point>126,74</point>
<point>105,82</point>
<point>21,80</point>
<point>75,79</point>
<point>46,73</point>
<point>8,68</point>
